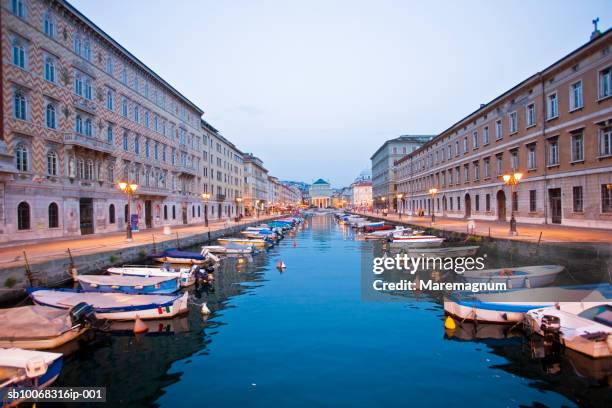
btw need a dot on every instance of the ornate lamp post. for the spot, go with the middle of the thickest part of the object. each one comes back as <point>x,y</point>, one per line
<point>400,204</point>
<point>129,189</point>
<point>205,198</point>
<point>433,192</point>
<point>238,203</point>
<point>512,180</point>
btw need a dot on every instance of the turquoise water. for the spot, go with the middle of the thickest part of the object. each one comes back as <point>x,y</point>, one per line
<point>304,337</point>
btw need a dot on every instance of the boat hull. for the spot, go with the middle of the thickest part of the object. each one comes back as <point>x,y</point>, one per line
<point>43,343</point>
<point>186,277</point>
<point>259,244</point>
<point>163,288</point>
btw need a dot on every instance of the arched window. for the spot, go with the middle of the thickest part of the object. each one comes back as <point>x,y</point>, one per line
<point>23,216</point>
<point>88,88</point>
<point>53,215</point>
<point>21,158</point>
<point>49,69</point>
<point>111,214</point>
<point>77,43</point>
<point>193,211</point>
<point>78,124</point>
<point>173,212</point>
<point>18,8</point>
<point>165,212</point>
<point>80,168</point>
<point>88,128</point>
<point>199,211</point>
<point>19,53</point>
<point>52,161</point>
<point>126,214</point>
<point>20,106</point>
<point>89,170</point>
<point>49,24</point>
<point>136,144</point>
<point>50,116</point>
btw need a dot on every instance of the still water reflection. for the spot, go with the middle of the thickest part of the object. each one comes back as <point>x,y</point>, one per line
<point>305,337</point>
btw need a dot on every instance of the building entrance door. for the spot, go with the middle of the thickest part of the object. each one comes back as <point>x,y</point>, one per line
<point>148,214</point>
<point>554,195</point>
<point>468,206</point>
<point>86,216</point>
<point>501,205</point>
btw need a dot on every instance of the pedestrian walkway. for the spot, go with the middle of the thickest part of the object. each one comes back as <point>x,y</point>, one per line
<point>48,249</point>
<point>497,229</point>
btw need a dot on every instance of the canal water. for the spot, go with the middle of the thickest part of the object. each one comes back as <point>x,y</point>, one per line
<point>305,337</point>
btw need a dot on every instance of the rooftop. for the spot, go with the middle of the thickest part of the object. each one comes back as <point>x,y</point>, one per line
<point>320,181</point>
<point>404,139</point>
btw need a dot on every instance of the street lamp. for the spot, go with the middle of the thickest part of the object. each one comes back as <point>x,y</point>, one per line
<point>238,211</point>
<point>205,198</point>
<point>512,180</point>
<point>129,189</point>
<point>400,196</point>
<point>433,192</point>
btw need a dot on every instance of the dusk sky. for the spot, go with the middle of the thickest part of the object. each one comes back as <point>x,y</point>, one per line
<point>315,87</point>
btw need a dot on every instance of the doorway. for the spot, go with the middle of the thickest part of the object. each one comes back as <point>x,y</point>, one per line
<point>501,205</point>
<point>148,214</point>
<point>554,195</point>
<point>468,206</point>
<point>86,216</point>
<point>220,212</point>
<point>185,214</point>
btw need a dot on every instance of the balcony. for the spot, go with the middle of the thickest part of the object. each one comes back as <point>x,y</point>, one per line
<point>84,104</point>
<point>220,197</point>
<point>87,142</point>
<point>183,169</point>
<point>152,191</point>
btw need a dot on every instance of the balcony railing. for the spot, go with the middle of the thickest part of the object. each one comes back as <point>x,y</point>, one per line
<point>87,142</point>
<point>181,168</point>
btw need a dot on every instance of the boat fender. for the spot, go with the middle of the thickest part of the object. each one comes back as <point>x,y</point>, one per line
<point>140,326</point>
<point>449,323</point>
<point>205,310</point>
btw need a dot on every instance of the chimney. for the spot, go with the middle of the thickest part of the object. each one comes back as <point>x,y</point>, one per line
<point>596,33</point>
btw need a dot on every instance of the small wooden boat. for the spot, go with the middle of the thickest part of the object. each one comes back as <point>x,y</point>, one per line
<point>377,226</point>
<point>585,327</point>
<point>416,241</point>
<point>179,324</point>
<point>186,276</point>
<point>41,327</point>
<point>257,243</point>
<point>26,369</point>
<point>229,249</point>
<point>259,235</point>
<point>518,277</point>
<point>446,252</point>
<point>385,234</point>
<point>114,306</point>
<point>176,256</point>
<point>129,284</point>
<point>510,306</point>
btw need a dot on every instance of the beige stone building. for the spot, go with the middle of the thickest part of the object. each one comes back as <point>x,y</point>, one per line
<point>255,191</point>
<point>555,128</point>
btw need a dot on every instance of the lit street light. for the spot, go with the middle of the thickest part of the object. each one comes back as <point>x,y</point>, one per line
<point>205,198</point>
<point>400,204</point>
<point>129,189</point>
<point>433,192</point>
<point>512,180</point>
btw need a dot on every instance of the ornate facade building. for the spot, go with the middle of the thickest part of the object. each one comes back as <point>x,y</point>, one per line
<point>554,128</point>
<point>256,194</point>
<point>320,194</point>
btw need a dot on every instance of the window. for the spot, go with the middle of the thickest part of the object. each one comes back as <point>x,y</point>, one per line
<point>552,107</point>
<point>80,168</point>
<point>458,203</point>
<point>533,204</point>
<point>146,118</point>
<point>156,151</point>
<point>124,75</point>
<point>110,99</point>
<point>476,171</point>
<point>86,49</point>
<point>78,124</point>
<point>605,141</point>
<point>164,153</point>
<point>23,216</point>
<point>475,141</point>
<point>110,138</point>
<point>111,214</point>
<point>499,164</point>
<point>136,113</point>
<point>53,215</point>
<point>577,147</point>
<point>485,135</point>
<point>577,199</point>
<point>77,44</point>
<point>513,122</point>
<point>89,170</point>
<point>465,145</point>
<point>605,82</point>
<point>147,150</point>
<point>499,130</point>
<point>111,173</point>
<point>487,168</point>
<point>477,203</point>
<point>88,88</point>
<point>514,159</point>
<point>52,163</point>
<point>18,8</point>
<point>50,116</point>
<point>49,24</point>
<point>165,212</point>
<point>173,212</point>
<point>124,106</point>
<point>576,95</point>
<point>49,69</point>
<point>449,152</point>
<point>530,115</point>
<point>78,84</point>
<point>109,64</point>
<point>553,152</point>
<point>20,106</point>
<point>456,148</point>
<point>531,156</point>
<point>606,198</point>
<point>22,161</point>
<point>466,172</point>
<point>20,53</point>
<point>125,141</point>
<point>488,202</point>
<point>515,201</point>
<point>137,144</point>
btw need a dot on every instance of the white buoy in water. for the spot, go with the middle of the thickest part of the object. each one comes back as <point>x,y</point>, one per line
<point>280,265</point>
<point>205,310</point>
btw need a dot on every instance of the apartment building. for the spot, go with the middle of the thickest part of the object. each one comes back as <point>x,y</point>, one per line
<point>81,113</point>
<point>222,175</point>
<point>255,190</point>
<point>383,183</point>
<point>554,128</point>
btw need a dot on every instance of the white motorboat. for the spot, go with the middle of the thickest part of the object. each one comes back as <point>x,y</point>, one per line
<point>416,241</point>
<point>257,243</point>
<point>114,306</point>
<point>229,249</point>
<point>26,369</point>
<point>585,327</point>
<point>129,284</point>
<point>518,277</point>
<point>187,276</point>
<point>40,327</point>
<point>446,252</point>
<point>385,234</point>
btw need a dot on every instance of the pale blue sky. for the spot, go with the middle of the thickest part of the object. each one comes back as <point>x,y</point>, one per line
<point>314,87</point>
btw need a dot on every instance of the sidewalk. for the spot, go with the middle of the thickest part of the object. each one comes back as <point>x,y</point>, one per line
<point>48,249</point>
<point>496,229</point>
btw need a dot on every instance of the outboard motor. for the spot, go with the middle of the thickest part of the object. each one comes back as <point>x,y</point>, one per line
<point>550,328</point>
<point>82,314</point>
